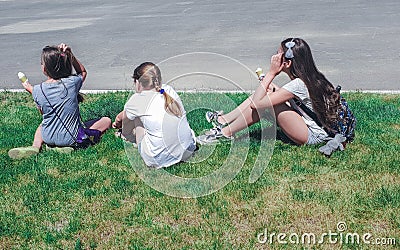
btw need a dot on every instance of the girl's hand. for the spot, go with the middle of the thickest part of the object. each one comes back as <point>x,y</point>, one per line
<point>116,125</point>
<point>79,68</point>
<point>276,64</point>
<point>64,47</point>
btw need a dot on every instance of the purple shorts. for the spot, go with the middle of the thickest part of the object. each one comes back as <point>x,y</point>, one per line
<point>86,136</point>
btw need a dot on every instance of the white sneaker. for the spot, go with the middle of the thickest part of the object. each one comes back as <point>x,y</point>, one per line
<point>212,136</point>
<point>212,117</point>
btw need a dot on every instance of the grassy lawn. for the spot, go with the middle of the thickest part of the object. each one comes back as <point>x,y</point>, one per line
<point>94,198</point>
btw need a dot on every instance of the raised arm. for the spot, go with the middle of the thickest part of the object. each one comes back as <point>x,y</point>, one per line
<point>260,100</point>
<point>78,66</point>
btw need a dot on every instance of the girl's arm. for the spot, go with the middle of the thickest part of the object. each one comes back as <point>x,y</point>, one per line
<point>28,87</point>
<point>40,110</point>
<point>280,96</point>
<point>118,120</point>
<point>273,87</point>
<point>78,66</point>
<point>272,99</point>
<point>263,89</point>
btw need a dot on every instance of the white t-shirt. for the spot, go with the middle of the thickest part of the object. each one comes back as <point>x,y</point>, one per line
<point>298,88</point>
<point>168,139</point>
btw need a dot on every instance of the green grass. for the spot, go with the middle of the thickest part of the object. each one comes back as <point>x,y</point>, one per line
<point>94,198</point>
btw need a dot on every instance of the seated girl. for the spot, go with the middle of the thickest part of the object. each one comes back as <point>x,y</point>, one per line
<point>154,118</point>
<point>307,85</point>
<point>57,101</point>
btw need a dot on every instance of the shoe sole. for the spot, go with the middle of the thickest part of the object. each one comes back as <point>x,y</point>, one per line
<point>213,142</point>
<point>18,154</point>
<point>204,143</point>
<point>61,150</point>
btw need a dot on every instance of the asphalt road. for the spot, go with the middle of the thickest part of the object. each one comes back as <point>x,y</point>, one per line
<point>354,42</point>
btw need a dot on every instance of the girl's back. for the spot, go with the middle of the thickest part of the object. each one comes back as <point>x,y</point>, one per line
<point>59,104</point>
<point>167,136</point>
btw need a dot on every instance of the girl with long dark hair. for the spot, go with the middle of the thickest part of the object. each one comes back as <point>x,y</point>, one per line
<point>307,84</point>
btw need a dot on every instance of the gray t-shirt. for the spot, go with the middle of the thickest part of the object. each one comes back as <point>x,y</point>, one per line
<point>61,117</point>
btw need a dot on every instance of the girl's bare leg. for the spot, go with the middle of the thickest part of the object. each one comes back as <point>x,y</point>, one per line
<point>139,130</point>
<point>288,120</point>
<point>132,131</point>
<point>38,140</point>
<point>245,118</point>
<point>102,125</point>
<point>236,113</point>
<point>24,152</point>
<point>128,129</point>
<point>291,124</point>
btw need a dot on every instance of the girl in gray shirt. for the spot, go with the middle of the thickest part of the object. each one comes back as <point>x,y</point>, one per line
<point>57,101</point>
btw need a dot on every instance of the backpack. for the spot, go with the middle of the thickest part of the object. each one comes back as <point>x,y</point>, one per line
<point>345,124</point>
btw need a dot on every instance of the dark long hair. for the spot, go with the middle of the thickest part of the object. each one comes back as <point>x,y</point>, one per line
<point>149,76</point>
<point>324,98</point>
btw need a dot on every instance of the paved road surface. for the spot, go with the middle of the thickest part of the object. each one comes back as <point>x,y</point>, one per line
<point>355,42</point>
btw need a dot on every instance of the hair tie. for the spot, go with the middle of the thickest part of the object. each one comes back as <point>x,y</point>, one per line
<point>162,91</point>
<point>62,54</point>
<point>289,52</point>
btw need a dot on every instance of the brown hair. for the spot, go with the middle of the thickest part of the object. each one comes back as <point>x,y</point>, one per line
<point>324,98</point>
<point>149,76</point>
<point>57,64</point>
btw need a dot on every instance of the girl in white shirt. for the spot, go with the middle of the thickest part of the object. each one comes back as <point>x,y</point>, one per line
<point>154,118</point>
